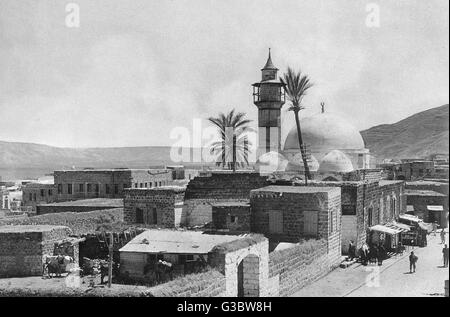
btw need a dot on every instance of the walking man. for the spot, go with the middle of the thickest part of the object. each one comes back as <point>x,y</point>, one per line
<point>442,236</point>
<point>412,262</point>
<point>445,254</point>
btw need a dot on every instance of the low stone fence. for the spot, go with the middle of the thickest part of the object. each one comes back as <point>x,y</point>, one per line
<point>206,284</point>
<point>293,268</point>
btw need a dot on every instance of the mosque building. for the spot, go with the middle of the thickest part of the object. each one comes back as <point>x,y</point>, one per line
<point>334,146</point>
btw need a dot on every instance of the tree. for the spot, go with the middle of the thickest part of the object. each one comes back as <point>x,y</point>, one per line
<point>232,150</point>
<point>296,85</point>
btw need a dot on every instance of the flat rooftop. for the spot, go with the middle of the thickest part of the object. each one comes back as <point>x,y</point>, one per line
<point>176,241</point>
<point>419,192</point>
<point>94,202</point>
<point>93,170</point>
<point>29,228</point>
<point>295,189</point>
<point>232,204</point>
<point>424,182</point>
<point>385,182</point>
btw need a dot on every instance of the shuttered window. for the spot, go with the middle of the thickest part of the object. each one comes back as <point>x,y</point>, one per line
<point>311,223</point>
<point>276,222</point>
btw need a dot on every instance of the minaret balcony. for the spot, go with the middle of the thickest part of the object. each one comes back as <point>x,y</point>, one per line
<point>268,93</point>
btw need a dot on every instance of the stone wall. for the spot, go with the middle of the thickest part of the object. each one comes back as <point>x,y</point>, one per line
<point>165,203</point>
<point>204,191</point>
<point>79,223</point>
<point>56,208</point>
<point>231,216</point>
<point>420,203</point>
<point>22,248</point>
<point>205,284</point>
<point>294,268</point>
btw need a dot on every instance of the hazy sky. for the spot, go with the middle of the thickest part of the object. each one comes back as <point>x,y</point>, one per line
<point>134,70</point>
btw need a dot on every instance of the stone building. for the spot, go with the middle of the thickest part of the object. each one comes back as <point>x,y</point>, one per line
<point>231,216</point>
<point>160,206</point>
<point>365,204</point>
<point>428,205</point>
<point>22,248</point>
<point>409,170</point>
<point>203,192</point>
<point>34,194</point>
<point>294,213</point>
<point>107,183</point>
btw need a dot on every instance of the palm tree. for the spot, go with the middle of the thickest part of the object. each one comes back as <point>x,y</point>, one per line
<point>232,150</point>
<point>296,85</point>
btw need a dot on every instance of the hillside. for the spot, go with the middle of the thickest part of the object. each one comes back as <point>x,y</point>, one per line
<point>417,136</point>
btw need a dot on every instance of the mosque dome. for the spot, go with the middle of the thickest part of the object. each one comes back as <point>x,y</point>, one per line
<point>296,163</point>
<point>324,132</point>
<point>271,162</point>
<point>335,161</point>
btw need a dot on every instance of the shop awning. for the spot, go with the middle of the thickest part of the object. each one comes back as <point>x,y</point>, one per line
<point>409,218</point>
<point>399,226</point>
<point>385,229</point>
<point>435,208</point>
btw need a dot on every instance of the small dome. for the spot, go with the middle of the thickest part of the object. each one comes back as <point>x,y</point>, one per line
<point>324,132</point>
<point>296,163</point>
<point>335,161</point>
<point>271,162</point>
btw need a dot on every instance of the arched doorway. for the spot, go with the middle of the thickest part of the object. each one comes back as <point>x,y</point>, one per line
<point>248,276</point>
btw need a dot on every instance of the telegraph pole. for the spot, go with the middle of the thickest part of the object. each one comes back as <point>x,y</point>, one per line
<point>111,248</point>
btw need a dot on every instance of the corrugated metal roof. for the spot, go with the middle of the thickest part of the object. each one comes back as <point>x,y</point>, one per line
<point>174,241</point>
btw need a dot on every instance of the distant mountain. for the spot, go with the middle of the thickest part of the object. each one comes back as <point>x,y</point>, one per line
<point>417,136</point>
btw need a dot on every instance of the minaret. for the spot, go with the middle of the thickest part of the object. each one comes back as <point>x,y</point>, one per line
<point>269,97</point>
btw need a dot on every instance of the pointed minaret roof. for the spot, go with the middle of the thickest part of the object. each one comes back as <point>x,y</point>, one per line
<point>269,64</point>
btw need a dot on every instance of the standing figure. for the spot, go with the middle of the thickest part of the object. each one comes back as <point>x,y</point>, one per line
<point>442,236</point>
<point>445,255</point>
<point>412,262</point>
<point>351,250</point>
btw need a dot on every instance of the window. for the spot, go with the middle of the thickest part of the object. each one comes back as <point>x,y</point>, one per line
<point>141,185</point>
<point>275,222</point>
<point>89,188</point>
<point>189,257</point>
<point>348,210</point>
<point>59,188</point>
<point>125,186</point>
<point>69,189</point>
<point>151,184</point>
<point>135,185</point>
<point>370,216</point>
<point>106,188</point>
<point>310,223</point>
<point>139,215</point>
<point>233,219</point>
<point>30,197</point>
<point>116,189</point>
<point>331,221</point>
<point>34,196</point>
<point>50,192</point>
<point>97,188</point>
<point>145,185</point>
<point>159,184</point>
<point>81,188</point>
<point>155,216</point>
<point>42,193</point>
